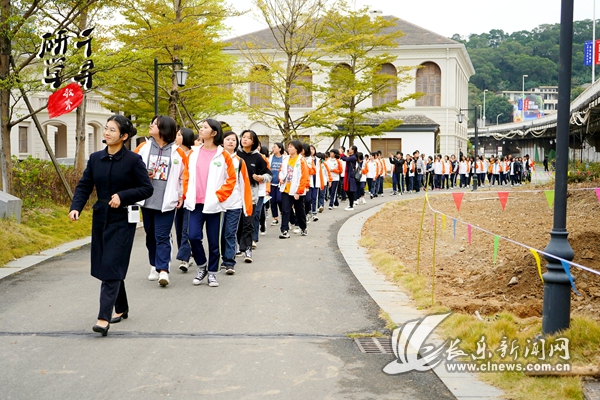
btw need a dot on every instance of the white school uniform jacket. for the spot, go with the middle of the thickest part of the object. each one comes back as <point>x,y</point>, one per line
<point>438,168</point>
<point>221,181</point>
<point>241,196</point>
<point>174,188</point>
<point>299,183</point>
<point>335,168</point>
<point>371,168</point>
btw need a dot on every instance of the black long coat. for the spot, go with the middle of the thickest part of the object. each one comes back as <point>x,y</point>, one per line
<point>349,180</point>
<point>125,174</point>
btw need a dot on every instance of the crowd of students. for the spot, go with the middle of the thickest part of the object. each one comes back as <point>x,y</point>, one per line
<point>412,173</point>
<point>223,185</point>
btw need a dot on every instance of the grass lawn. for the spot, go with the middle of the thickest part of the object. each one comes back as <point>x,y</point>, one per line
<point>41,228</point>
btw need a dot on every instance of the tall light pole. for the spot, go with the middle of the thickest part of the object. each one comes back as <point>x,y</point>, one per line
<point>556,310</point>
<point>484,92</point>
<point>497,117</point>
<point>523,98</point>
<point>460,116</point>
<point>180,76</point>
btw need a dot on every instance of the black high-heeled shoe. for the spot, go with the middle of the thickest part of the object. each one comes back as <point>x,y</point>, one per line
<point>118,319</point>
<point>101,329</point>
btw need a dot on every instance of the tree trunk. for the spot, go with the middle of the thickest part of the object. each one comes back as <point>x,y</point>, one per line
<point>80,136</point>
<point>5,50</point>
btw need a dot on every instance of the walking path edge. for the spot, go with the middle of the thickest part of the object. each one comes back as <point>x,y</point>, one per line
<point>399,306</point>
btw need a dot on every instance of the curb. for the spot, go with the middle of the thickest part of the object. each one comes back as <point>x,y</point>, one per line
<point>399,306</point>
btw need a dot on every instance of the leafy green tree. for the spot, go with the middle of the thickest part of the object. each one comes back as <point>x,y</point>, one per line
<point>363,44</point>
<point>21,24</point>
<point>282,88</point>
<point>187,31</point>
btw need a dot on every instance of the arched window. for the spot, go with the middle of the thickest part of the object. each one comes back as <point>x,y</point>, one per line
<point>388,93</point>
<point>301,91</point>
<point>340,79</point>
<point>260,93</point>
<point>429,81</point>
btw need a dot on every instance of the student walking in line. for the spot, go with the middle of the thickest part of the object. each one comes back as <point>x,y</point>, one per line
<point>121,179</point>
<point>185,141</point>
<point>325,181</point>
<point>293,181</point>
<point>166,164</point>
<point>239,202</point>
<point>258,172</point>
<point>275,164</point>
<point>209,182</point>
<point>335,167</point>
<point>349,176</point>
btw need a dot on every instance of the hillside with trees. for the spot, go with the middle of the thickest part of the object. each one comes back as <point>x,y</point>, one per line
<point>501,59</point>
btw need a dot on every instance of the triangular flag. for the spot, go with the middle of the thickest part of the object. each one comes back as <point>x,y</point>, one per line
<point>567,268</point>
<point>598,193</point>
<point>443,223</point>
<point>537,261</point>
<point>503,196</point>
<point>550,197</point>
<point>454,227</point>
<point>458,196</point>
<point>469,233</point>
<point>496,243</point>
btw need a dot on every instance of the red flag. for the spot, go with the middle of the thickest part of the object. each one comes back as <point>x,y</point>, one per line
<point>503,196</point>
<point>596,51</point>
<point>65,100</point>
<point>458,196</point>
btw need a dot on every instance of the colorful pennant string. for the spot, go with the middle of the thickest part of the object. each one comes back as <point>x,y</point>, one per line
<point>503,196</point>
<point>496,244</point>
<point>469,232</point>
<point>537,262</point>
<point>567,268</point>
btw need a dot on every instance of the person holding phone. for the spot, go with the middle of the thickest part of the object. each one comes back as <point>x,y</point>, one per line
<point>121,180</point>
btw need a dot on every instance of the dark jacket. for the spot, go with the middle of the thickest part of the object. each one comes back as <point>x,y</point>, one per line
<point>349,181</point>
<point>255,163</point>
<point>125,174</point>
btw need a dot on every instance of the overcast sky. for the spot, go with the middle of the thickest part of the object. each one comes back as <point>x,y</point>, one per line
<point>447,17</point>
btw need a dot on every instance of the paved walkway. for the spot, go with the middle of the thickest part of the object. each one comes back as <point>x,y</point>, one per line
<point>278,328</point>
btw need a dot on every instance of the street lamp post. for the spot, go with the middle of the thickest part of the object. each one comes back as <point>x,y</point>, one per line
<point>556,311</point>
<point>523,98</point>
<point>497,116</point>
<point>180,76</point>
<point>460,116</point>
<point>484,92</point>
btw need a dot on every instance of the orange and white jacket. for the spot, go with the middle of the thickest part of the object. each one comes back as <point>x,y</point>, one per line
<point>265,187</point>
<point>325,173</point>
<point>335,168</point>
<point>371,169</point>
<point>479,167</point>
<point>241,197</point>
<point>221,181</point>
<point>300,177</point>
<point>175,183</point>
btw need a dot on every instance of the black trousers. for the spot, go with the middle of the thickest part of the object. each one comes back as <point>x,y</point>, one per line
<point>287,202</point>
<point>112,294</point>
<point>245,231</point>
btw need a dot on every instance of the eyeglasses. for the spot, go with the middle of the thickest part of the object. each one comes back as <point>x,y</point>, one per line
<point>106,128</point>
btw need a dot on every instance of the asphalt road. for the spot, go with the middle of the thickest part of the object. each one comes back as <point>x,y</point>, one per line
<point>276,329</point>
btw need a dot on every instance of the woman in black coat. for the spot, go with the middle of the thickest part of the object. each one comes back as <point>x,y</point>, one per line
<point>349,179</point>
<point>121,179</point>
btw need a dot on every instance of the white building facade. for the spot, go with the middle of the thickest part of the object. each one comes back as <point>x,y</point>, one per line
<point>60,131</point>
<point>441,69</point>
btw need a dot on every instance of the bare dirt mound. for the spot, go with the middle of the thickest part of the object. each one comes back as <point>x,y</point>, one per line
<point>467,279</point>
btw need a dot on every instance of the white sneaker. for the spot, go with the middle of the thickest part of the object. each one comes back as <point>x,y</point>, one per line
<point>212,280</point>
<point>183,266</point>
<point>254,244</point>
<point>349,208</point>
<point>153,274</point>
<point>163,278</point>
<point>296,230</point>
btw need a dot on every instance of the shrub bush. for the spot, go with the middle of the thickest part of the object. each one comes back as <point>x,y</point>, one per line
<point>36,182</point>
<point>583,171</point>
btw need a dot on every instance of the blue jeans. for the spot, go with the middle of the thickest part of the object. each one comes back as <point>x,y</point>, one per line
<point>333,200</point>
<point>213,235</point>
<point>256,213</point>
<point>158,227</point>
<point>322,197</point>
<point>395,182</point>
<point>182,226</point>
<point>275,201</point>
<point>380,185</point>
<point>314,193</point>
<point>231,220</point>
